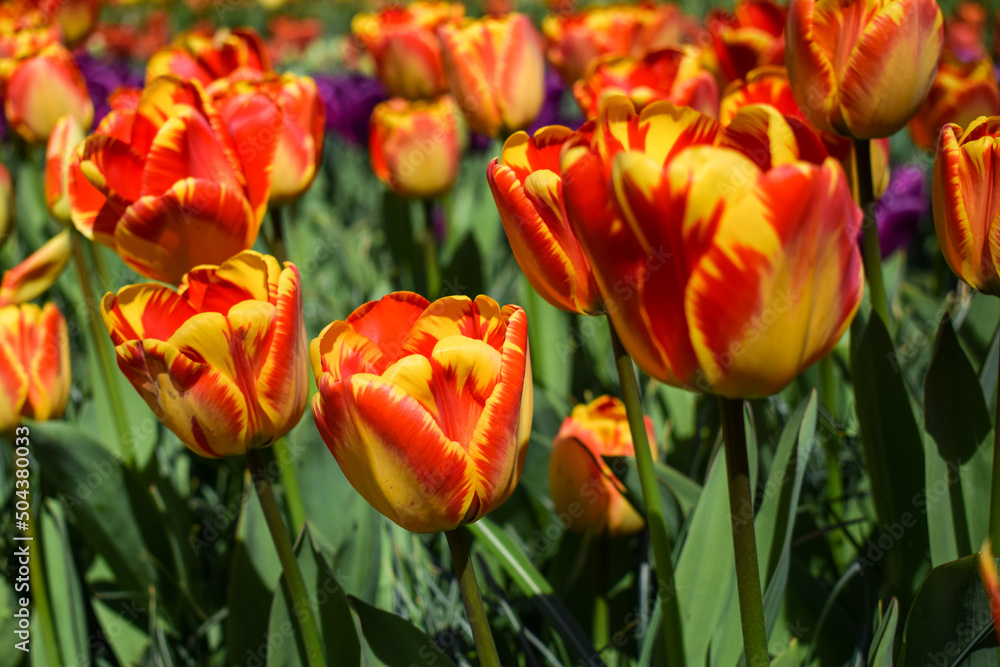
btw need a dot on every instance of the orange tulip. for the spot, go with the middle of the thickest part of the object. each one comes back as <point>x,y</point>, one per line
<point>301,126</point>
<point>963,32</point>
<point>33,109</point>
<point>991,582</point>
<point>221,361</point>
<point>65,137</point>
<point>76,18</point>
<point>204,55</point>
<point>495,69</point>
<point>862,68</point>
<point>34,364</point>
<point>702,237</point>
<point>750,36</point>
<point>528,191</point>
<point>416,147</point>
<point>37,272</point>
<point>6,204</point>
<point>404,44</point>
<point>576,40</point>
<point>173,183</point>
<point>583,487</point>
<point>966,198</point>
<point>455,376</point>
<point>961,93</point>
<point>669,74</point>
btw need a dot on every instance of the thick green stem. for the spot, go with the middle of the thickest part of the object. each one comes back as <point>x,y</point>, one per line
<point>673,637</point>
<point>601,623</point>
<point>432,270</point>
<point>744,539</point>
<point>293,576</point>
<point>481,634</point>
<point>100,340</point>
<point>276,245</point>
<point>36,578</point>
<point>869,238</point>
<point>290,484</point>
<point>995,488</point>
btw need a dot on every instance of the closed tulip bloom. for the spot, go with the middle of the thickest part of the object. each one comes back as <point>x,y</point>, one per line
<point>6,204</point>
<point>416,147</point>
<point>65,137</point>
<point>528,191</point>
<point>222,360</point>
<point>862,68</point>
<point>675,75</point>
<point>33,109</point>
<point>583,486</point>
<point>965,198</point>
<point>751,36</point>
<point>37,272</point>
<point>206,55</point>
<point>34,364</point>
<point>962,92</point>
<point>574,41</point>
<point>727,259</point>
<point>404,44</point>
<point>495,69</point>
<point>169,182</point>
<point>455,377</point>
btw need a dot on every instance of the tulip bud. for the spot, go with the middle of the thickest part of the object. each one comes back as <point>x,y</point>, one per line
<point>455,376</point>
<point>496,72</point>
<point>416,147</point>
<point>961,93</point>
<point>33,109</point>
<point>862,69</point>
<point>206,55</point>
<point>577,40</point>
<point>222,360</point>
<point>37,272</point>
<point>34,364</point>
<point>583,487</point>
<point>65,137</point>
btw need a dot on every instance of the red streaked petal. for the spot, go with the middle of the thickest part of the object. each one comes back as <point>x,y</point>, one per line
<point>148,310</point>
<point>37,272</point>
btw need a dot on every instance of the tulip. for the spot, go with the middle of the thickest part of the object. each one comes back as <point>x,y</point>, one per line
<point>221,360</point>
<point>416,147</point>
<point>583,486</point>
<point>669,74</point>
<point>751,36</point>
<point>6,204</point>
<point>963,32</point>
<point>204,56</point>
<point>577,40</point>
<point>965,197</point>
<point>404,44</point>
<point>495,69</point>
<point>32,109</point>
<point>961,93</point>
<point>76,18</point>
<point>34,364</point>
<point>349,100</point>
<point>528,192</point>
<point>455,375</point>
<point>65,137</point>
<point>862,68</point>
<point>37,272</point>
<point>702,237</point>
<point>172,183</point>
<point>991,582</point>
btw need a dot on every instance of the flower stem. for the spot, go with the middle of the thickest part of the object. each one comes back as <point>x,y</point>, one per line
<point>673,637</point>
<point>994,532</point>
<point>277,243</point>
<point>293,576</point>
<point>869,231</point>
<point>432,270</point>
<point>290,484</point>
<point>481,634</point>
<point>38,583</point>
<point>744,539</point>
<point>100,340</point>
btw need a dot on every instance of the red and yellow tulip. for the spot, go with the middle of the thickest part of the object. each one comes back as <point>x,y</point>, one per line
<point>862,68</point>
<point>404,44</point>
<point>583,487</point>
<point>416,147</point>
<point>574,41</point>
<point>750,36</point>
<point>671,74</point>
<point>34,364</point>
<point>222,360</point>
<point>6,204</point>
<point>727,260</point>
<point>528,191</point>
<point>65,137</point>
<point>171,182</point>
<point>37,272</point>
<point>76,18</point>
<point>495,68</point>
<point>206,55</point>
<point>962,92</point>
<point>991,582</point>
<point>456,378</point>
<point>966,200</point>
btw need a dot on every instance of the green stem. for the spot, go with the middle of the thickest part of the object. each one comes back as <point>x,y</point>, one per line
<point>39,586</point>
<point>429,244</point>
<point>995,488</point>
<point>869,238</point>
<point>744,540</point>
<point>290,484</point>
<point>293,576</point>
<point>276,245</point>
<point>100,340</point>
<point>601,622</point>
<point>673,637</point>
<point>481,634</point>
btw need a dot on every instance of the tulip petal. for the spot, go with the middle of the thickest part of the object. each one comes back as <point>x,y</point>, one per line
<point>13,379</point>
<point>48,365</point>
<point>760,132</point>
<point>255,123</point>
<point>144,311</point>
<point>991,582</point>
<point>812,75</point>
<point>37,272</point>
<point>281,396</point>
<point>456,316</point>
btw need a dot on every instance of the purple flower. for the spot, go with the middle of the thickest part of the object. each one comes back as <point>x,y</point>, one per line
<point>349,100</point>
<point>902,206</point>
<point>104,76</point>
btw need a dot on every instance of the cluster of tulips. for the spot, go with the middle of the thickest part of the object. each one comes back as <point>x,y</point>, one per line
<point>714,197</point>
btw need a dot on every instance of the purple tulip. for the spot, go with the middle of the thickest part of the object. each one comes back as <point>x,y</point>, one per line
<point>104,76</point>
<point>349,100</point>
<point>901,207</point>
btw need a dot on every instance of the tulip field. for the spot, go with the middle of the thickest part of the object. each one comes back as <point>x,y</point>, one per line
<point>541,333</point>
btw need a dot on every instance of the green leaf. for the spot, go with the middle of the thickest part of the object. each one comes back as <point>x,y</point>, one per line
<point>880,653</point>
<point>678,493</point>
<point>893,448</point>
<point>329,605</point>
<point>548,331</point>
<point>394,640</point>
<point>128,641</point>
<point>950,615</point>
<point>65,594</point>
